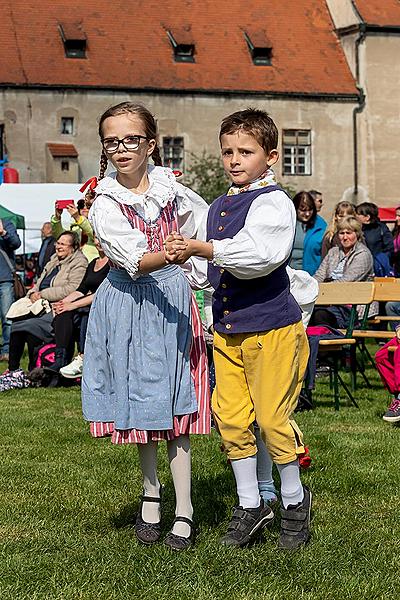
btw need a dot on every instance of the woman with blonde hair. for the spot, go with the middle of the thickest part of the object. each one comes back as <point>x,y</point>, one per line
<point>349,261</point>
<point>331,238</point>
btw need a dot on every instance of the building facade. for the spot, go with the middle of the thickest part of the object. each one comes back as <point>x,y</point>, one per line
<point>328,80</point>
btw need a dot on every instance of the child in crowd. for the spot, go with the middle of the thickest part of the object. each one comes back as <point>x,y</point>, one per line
<point>260,347</point>
<point>387,361</point>
<point>145,375</point>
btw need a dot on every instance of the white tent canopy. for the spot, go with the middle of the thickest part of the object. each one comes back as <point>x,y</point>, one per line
<point>35,202</point>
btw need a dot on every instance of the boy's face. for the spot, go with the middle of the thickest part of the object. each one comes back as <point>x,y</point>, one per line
<point>243,158</point>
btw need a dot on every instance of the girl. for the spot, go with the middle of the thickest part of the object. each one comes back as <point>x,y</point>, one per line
<point>331,238</point>
<point>145,374</point>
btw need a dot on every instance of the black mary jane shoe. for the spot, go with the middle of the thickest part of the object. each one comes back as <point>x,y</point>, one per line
<point>147,533</point>
<point>178,542</point>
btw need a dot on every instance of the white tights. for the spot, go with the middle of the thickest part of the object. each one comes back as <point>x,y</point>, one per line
<point>180,464</point>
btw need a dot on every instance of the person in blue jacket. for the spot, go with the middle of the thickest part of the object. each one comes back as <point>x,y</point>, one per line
<point>9,241</point>
<point>310,229</point>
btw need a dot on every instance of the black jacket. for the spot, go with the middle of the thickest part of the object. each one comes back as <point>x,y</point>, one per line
<point>378,238</point>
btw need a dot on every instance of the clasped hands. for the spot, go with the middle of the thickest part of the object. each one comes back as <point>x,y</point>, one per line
<point>177,248</point>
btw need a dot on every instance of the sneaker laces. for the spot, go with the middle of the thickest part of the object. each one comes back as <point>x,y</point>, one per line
<point>395,405</point>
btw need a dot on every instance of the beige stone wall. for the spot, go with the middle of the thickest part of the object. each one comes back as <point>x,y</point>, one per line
<point>379,123</point>
<point>32,119</point>
<point>342,13</point>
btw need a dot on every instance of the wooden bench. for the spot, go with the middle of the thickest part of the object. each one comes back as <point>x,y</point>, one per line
<point>351,295</point>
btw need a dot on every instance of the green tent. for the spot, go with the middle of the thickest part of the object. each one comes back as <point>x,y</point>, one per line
<point>18,220</point>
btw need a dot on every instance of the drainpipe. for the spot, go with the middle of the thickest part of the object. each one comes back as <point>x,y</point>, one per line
<point>358,109</point>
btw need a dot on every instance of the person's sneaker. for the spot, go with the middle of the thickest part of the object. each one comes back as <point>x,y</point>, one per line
<point>295,523</point>
<point>393,412</point>
<point>246,523</point>
<point>74,369</point>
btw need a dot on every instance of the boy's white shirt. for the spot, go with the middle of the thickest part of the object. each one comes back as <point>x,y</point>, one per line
<point>125,245</point>
<point>262,245</point>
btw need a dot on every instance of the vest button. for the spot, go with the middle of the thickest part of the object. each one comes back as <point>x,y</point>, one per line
<point>225,299</point>
<point>222,271</point>
<point>226,312</point>
<point>228,326</point>
<point>223,213</point>
<point>224,286</point>
<point>220,228</point>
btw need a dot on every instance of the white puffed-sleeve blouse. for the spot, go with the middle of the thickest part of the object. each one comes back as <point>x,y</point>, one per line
<point>125,245</point>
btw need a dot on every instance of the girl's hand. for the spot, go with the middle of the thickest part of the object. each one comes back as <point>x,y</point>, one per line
<point>73,211</point>
<point>173,239</point>
<point>179,251</point>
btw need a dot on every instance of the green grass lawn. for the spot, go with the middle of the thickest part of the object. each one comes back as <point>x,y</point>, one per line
<point>68,504</point>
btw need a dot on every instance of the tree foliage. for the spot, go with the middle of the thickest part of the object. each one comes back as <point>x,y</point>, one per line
<point>206,176</point>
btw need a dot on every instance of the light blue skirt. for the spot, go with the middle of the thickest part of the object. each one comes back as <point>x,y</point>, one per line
<point>137,353</point>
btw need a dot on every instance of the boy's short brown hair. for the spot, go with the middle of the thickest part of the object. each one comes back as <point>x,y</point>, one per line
<point>254,122</point>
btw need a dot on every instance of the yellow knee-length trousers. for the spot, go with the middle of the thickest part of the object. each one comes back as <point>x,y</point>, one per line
<point>259,378</point>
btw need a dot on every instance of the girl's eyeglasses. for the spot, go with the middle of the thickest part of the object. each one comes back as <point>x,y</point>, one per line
<point>129,142</point>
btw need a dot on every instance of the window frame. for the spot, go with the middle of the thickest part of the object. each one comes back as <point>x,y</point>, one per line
<point>295,154</point>
<point>171,146</point>
<point>63,121</point>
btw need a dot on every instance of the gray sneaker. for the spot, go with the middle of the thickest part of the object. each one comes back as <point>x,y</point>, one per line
<point>393,412</point>
<point>295,523</point>
<point>246,523</point>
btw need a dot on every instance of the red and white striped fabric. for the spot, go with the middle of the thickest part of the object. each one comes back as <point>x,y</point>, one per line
<point>200,421</point>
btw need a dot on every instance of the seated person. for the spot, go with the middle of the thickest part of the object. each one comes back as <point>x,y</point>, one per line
<point>71,316</point>
<point>80,226</point>
<point>61,276</point>
<point>350,261</point>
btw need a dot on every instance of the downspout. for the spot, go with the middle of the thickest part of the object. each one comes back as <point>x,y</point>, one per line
<point>358,109</point>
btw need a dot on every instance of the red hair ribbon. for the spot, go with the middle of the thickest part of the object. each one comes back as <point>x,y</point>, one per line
<point>90,183</point>
<point>177,173</point>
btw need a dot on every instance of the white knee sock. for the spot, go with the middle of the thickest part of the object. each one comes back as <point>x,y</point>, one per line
<point>180,464</point>
<point>151,512</point>
<point>291,486</point>
<point>266,484</point>
<point>245,471</point>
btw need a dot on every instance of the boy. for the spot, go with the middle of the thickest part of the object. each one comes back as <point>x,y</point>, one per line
<point>260,347</point>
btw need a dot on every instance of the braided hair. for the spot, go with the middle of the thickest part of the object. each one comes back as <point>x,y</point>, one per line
<point>150,127</point>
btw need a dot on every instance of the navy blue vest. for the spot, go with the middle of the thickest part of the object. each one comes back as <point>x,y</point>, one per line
<point>246,305</point>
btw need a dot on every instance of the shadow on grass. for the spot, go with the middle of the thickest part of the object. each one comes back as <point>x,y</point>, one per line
<point>213,498</point>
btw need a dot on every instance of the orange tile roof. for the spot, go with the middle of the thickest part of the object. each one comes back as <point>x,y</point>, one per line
<point>127,46</point>
<point>379,12</point>
<point>62,150</point>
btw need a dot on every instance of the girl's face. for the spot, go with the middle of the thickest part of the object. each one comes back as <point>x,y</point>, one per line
<point>341,216</point>
<point>305,211</point>
<point>364,219</point>
<point>128,162</point>
<point>398,217</point>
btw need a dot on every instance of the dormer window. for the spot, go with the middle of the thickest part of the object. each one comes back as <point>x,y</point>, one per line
<point>74,40</point>
<point>182,45</point>
<point>260,48</point>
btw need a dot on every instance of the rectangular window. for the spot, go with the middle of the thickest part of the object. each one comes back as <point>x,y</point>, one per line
<point>67,125</point>
<point>296,145</point>
<point>173,152</point>
<point>65,165</point>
